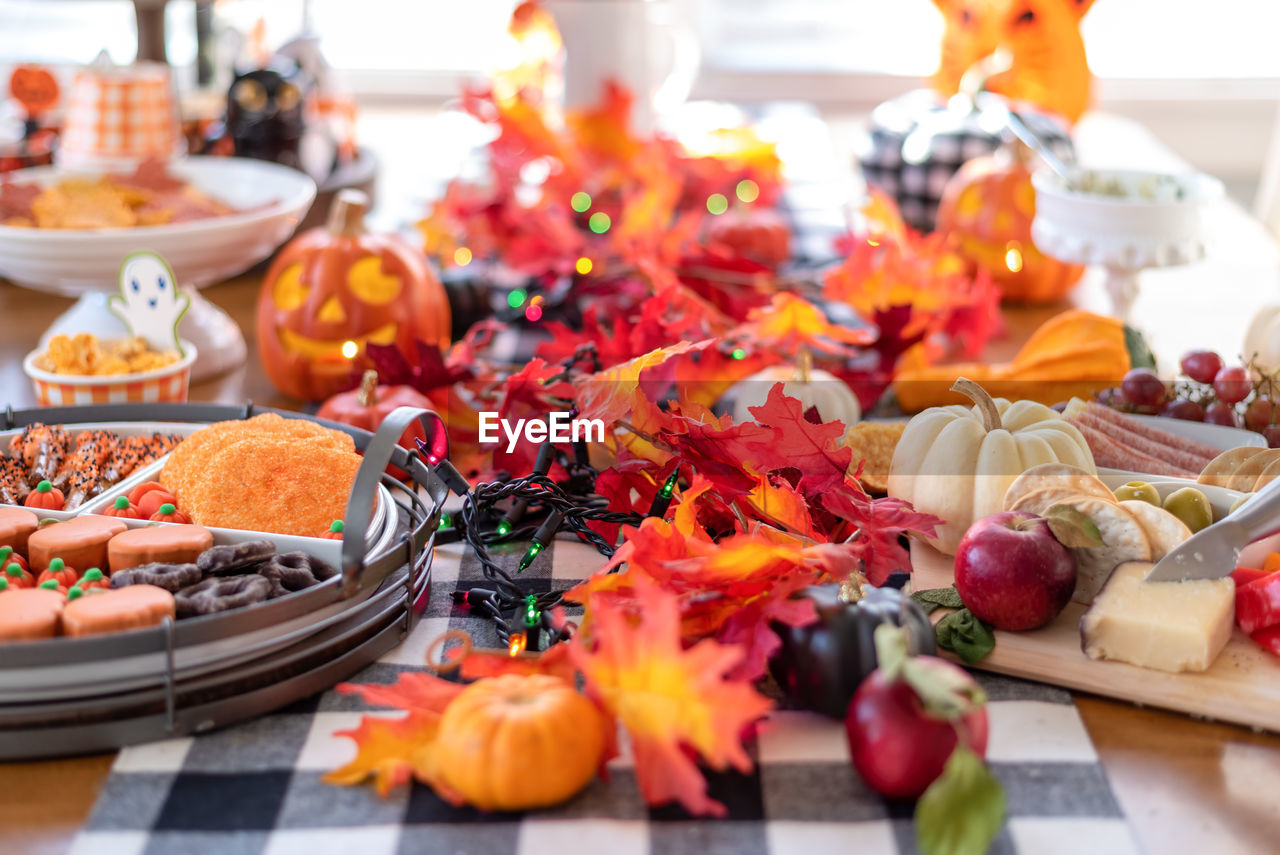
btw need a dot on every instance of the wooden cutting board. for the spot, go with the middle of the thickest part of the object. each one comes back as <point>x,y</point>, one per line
<point>1242,686</point>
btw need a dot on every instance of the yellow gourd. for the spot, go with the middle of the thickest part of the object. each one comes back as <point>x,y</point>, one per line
<point>1073,354</point>
<point>519,742</point>
<point>957,462</point>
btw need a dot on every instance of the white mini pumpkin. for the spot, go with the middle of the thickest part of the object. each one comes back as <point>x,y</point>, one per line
<point>957,462</point>
<point>822,390</point>
<point>1263,338</point>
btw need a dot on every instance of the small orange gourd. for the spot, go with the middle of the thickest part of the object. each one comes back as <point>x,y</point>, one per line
<point>519,742</point>
<point>1075,353</point>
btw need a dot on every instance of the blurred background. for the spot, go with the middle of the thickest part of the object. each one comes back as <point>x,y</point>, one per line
<point>1203,77</point>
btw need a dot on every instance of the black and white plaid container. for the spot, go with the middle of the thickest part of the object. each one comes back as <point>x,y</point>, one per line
<point>916,142</point>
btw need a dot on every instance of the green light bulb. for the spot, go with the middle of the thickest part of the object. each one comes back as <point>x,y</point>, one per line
<point>446,521</point>
<point>504,528</point>
<point>670,485</point>
<point>739,353</point>
<point>516,298</point>
<point>717,204</point>
<point>580,201</point>
<point>599,222</point>
<point>534,549</point>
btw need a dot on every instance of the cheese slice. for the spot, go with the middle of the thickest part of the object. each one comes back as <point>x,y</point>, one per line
<point>1169,626</point>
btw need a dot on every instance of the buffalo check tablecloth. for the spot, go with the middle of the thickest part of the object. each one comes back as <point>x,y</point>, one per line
<point>256,789</point>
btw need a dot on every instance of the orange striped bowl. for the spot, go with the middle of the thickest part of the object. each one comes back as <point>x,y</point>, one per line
<point>168,384</point>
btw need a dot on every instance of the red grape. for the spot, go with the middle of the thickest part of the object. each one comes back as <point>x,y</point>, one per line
<point>1181,408</point>
<point>1232,384</point>
<point>1261,413</point>
<point>1201,365</point>
<point>1273,436</point>
<point>1142,387</point>
<point>1221,413</point>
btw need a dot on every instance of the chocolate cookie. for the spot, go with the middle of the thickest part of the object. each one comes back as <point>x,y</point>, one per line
<point>293,571</point>
<point>220,593</point>
<point>235,557</point>
<point>171,577</point>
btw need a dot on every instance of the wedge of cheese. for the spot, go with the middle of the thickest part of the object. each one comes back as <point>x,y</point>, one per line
<point>1169,626</point>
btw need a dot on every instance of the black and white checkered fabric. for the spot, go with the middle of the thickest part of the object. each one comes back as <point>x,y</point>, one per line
<point>256,789</point>
<point>916,142</point>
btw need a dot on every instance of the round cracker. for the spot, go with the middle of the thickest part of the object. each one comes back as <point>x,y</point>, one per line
<point>1268,475</point>
<point>276,485</point>
<point>1247,472</point>
<point>1065,479</point>
<point>1217,472</point>
<point>191,456</point>
<point>1123,539</point>
<point>1163,529</point>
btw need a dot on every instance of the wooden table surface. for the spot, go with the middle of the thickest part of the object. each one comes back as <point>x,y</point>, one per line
<point>1184,785</point>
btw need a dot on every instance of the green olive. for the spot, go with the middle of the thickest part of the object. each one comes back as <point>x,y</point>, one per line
<point>1238,502</point>
<point>1190,506</point>
<point>1140,490</point>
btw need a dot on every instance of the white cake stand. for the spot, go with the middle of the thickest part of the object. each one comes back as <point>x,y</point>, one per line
<point>1125,234</point>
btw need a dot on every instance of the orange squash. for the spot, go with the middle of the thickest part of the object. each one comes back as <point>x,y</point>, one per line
<point>987,207</point>
<point>333,290</point>
<point>519,742</point>
<point>1075,353</point>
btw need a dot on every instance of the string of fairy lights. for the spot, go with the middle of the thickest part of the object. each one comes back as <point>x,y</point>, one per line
<point>533,509</point>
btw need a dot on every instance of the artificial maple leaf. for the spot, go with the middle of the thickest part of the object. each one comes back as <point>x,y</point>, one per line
<point>779,503</point>
<point>717,448</point>
<point>392,750</point>
<point>414,691</point>
<point>790,323</point>
<point>620,392</point>
<point>879,523</point>
<point>478,664</point>
<point>669,699</point>
<point>795,442</point>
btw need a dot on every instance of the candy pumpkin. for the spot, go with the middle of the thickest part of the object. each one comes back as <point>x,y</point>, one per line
<point>93,578</point>
<point>334,532</point>
<point>59,573</point>
<point>123,508</point>
<point>987,207</point>
<point>8,556</point>
<point>365,407</point>
<point>336,288</point>
<point>819,666</point>
<point>957,462</point>
<point>149,503</point>
<point>519,742</point>
<point>45,496</point>
<point>17,576</point>
<point>170,514</point>
<point>35,88</point>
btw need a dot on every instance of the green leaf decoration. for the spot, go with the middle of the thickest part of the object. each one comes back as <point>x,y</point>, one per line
<point>961,812</point>
<point>1140,355</point>
<point>966,636</point>
<point>938,598</point>
<point>1072,528</point>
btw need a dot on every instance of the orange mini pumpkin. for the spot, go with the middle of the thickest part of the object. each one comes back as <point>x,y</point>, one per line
<point>334,532</point>
<point>16,576</point>
<point>170,514</point>
<point>122,508</point>
<point>59,572</point>
<point>8,556</point>
<point>519,742</point>
<point>987,207</point>
<point>35,88</point>
<point>335,289</point>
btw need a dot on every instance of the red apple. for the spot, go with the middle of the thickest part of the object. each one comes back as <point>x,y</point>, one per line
<point>897,748</point>
<point>1012,572</point>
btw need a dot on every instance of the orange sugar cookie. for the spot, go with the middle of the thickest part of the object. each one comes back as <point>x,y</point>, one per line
<point>117,609</point>
<point>29,613</point>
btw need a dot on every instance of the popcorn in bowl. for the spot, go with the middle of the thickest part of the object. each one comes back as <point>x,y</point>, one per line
<point>81,369</point>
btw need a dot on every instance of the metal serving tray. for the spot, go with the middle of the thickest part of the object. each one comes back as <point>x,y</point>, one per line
<point>195,674</point>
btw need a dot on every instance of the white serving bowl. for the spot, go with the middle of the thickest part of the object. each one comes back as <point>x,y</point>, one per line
<point>76,261</point>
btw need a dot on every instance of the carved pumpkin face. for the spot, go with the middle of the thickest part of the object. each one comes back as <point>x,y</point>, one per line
<point>34,87</point>
<point>1048,64</point>
<point>332,291</point>
<point>988,207</point>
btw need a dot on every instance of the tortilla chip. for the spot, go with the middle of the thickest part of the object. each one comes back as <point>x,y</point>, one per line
<point>874,442</point>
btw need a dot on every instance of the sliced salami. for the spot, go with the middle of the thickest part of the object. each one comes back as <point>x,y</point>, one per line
<point>1182,459</point>
<point>1112,455</point>
<point>1164,437</point>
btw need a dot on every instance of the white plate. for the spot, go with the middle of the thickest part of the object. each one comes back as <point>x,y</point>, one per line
<point>75,261</point>
<point>1218,436</point>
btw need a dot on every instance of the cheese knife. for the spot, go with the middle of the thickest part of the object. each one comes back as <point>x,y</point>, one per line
<point>1211,553</point>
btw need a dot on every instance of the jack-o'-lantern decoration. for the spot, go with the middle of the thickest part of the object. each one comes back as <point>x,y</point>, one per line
<point>333,290</point>
<point>987,208</point>
<point>35,88</point>
<point>1046,58</point>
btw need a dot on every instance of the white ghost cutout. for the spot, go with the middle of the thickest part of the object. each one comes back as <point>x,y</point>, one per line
<point>149,302</point>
